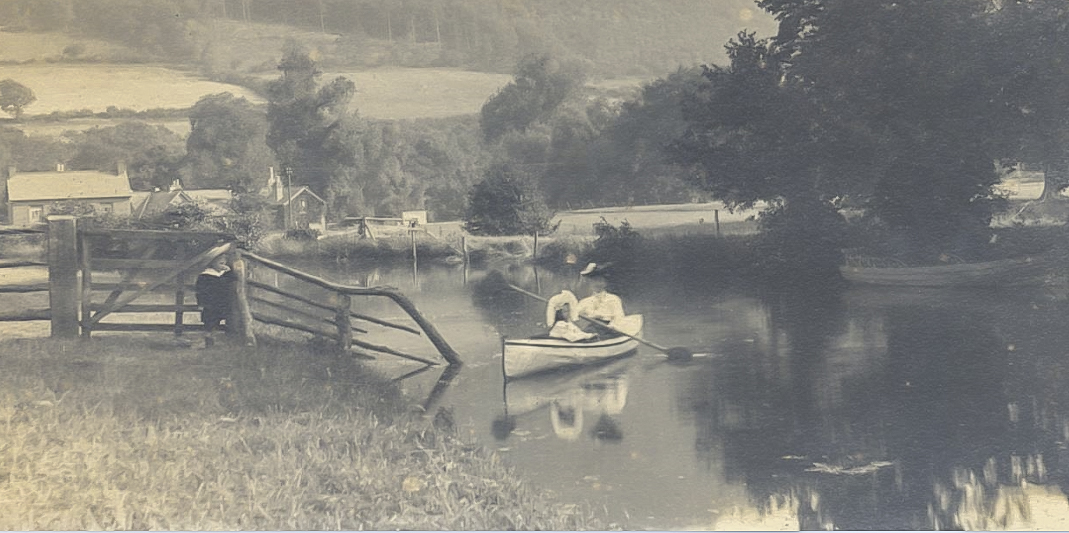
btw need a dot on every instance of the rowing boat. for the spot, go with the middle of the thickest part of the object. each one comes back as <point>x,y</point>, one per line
<point>524,357</point>
<point>1014,271</point>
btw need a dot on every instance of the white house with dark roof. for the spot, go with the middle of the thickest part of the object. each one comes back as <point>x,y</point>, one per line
<point>29,194</point>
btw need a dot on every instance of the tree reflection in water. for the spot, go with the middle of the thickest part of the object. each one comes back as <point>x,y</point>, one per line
<point>938,427</point>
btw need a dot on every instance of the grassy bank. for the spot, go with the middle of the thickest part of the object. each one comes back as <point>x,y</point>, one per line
<point>131,433</point>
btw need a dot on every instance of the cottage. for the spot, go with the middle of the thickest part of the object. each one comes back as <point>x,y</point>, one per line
<point>29,194</point>
<point>296,207</point>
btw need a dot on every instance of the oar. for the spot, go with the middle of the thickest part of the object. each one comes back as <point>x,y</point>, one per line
<point>674,354</point>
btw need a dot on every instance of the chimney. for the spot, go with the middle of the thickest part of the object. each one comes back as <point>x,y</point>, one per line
<point>121,170</point>
<point>60,167</point>
<point>275,185</point>
<point>11,171</point>
<point>176,185</point>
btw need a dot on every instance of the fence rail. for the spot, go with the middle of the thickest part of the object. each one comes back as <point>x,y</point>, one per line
<point>343,313</point>
<point>20,263</point>
<point>71,287</point>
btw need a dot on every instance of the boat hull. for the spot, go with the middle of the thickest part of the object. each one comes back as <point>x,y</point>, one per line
<point>525,357</point>
<point>1016,271</point>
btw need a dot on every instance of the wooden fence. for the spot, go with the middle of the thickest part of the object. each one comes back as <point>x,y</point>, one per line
<point>339,325</point>
<point>154,262</point>
<point>9,314</point>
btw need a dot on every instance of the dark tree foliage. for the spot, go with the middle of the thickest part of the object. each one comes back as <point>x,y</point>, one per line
<point>152,154</point>
<point>14,97</point>
<point>541,84</point>
<point>903,105</point>
<point>507,202</point>
<point>227,145</point>
<point>303,118</point>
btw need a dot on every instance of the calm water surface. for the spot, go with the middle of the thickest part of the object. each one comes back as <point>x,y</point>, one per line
<point>846,409</point>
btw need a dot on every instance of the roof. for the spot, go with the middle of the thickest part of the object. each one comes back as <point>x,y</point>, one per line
<point>157,202</point>
<point>67,185</point>
<point>299,191</point>
<point>211,196</point>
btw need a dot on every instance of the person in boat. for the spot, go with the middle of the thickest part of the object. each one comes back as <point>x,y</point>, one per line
<point>214,294</point>
<point>564,309</point>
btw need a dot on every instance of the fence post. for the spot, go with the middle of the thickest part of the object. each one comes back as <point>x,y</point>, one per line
<point>87,286</point>
<point>239,323</point>
<point>342,321</point>
<point>534,254</point>
<point>63,275</point>
<point>716,218</point>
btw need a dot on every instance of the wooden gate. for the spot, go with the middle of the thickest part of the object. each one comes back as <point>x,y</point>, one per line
<point>120,267</point>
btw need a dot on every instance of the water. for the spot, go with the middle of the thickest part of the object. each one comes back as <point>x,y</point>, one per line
<point>817,408</point>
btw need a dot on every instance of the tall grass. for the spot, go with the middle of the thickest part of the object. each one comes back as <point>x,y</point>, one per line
<point>127,433</point>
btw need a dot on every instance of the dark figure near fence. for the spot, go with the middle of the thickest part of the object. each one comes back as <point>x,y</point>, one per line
<point>214,293</point>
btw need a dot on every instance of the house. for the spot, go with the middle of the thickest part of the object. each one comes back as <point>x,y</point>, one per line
<point>29,194</point>
<point>299,208</point>
<point>150,204</point>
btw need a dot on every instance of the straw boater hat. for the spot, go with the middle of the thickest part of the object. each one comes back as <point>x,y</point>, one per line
<point>594,270</point>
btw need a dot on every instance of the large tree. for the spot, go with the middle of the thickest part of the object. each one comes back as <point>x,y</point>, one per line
<point>227,146</point>
<point>541,84</point>
<point>153,154</point>
<point>15,96</point>
<point>890,101</point>
<point>304,116</point>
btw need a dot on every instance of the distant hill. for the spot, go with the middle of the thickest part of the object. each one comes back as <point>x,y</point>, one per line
<point>615,37</point>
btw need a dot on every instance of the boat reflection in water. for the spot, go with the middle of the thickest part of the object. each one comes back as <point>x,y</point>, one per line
<point>578,403</point>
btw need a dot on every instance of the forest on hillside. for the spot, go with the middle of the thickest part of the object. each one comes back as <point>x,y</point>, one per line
<point>615,37</point>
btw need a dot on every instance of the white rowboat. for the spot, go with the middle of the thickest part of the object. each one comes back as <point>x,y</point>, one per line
<point>523,357</point>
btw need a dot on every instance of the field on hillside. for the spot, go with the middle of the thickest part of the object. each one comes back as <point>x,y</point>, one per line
<point>71,87</point>
<point>27,46</point>
<point>405,93</point>
<point>55,129</point>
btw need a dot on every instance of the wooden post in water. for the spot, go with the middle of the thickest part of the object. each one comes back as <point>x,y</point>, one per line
<point>87,287</point>
<point>716,219</point>
<point>63,275</point>
<point>239,323</point>
<point>464,248</point>
<point>342,322</point>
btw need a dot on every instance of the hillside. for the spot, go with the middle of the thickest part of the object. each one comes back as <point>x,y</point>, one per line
<point>615,37</point>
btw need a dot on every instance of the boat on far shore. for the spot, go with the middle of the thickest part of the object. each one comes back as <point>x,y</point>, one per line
<point>1023,270</point>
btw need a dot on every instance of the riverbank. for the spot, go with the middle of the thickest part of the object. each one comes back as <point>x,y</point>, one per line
<point>135,433</point>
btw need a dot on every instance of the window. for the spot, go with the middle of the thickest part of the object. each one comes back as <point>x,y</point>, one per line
<point>37,213</point>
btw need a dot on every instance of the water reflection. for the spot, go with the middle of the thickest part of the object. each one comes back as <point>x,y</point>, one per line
<point>825,408</point>
<point>581,404</point>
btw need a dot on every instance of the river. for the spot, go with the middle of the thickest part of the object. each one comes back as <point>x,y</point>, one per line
<point>815,407</point>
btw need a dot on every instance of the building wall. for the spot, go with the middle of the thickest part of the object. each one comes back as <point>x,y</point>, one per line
<point>22,212</point>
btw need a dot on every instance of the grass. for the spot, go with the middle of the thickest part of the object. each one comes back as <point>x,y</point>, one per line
<point>407,93</point>
<point>71,87</point>
<point>128,433</point>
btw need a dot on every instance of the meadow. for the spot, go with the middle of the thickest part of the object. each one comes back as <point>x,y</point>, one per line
<point>72,87</point>
<point>131,433</point>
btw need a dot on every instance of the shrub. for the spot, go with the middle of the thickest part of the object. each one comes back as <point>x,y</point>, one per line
<point>307,234</point>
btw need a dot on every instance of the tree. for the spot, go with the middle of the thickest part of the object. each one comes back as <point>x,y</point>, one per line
<point>541,84</point>
<point>506,202</point>
<point>889,101</point>
<point>15,96</point>
<point>303,118</point>
<point>227,145</point>
<point>1033,79</point>
<point>153,154</point>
